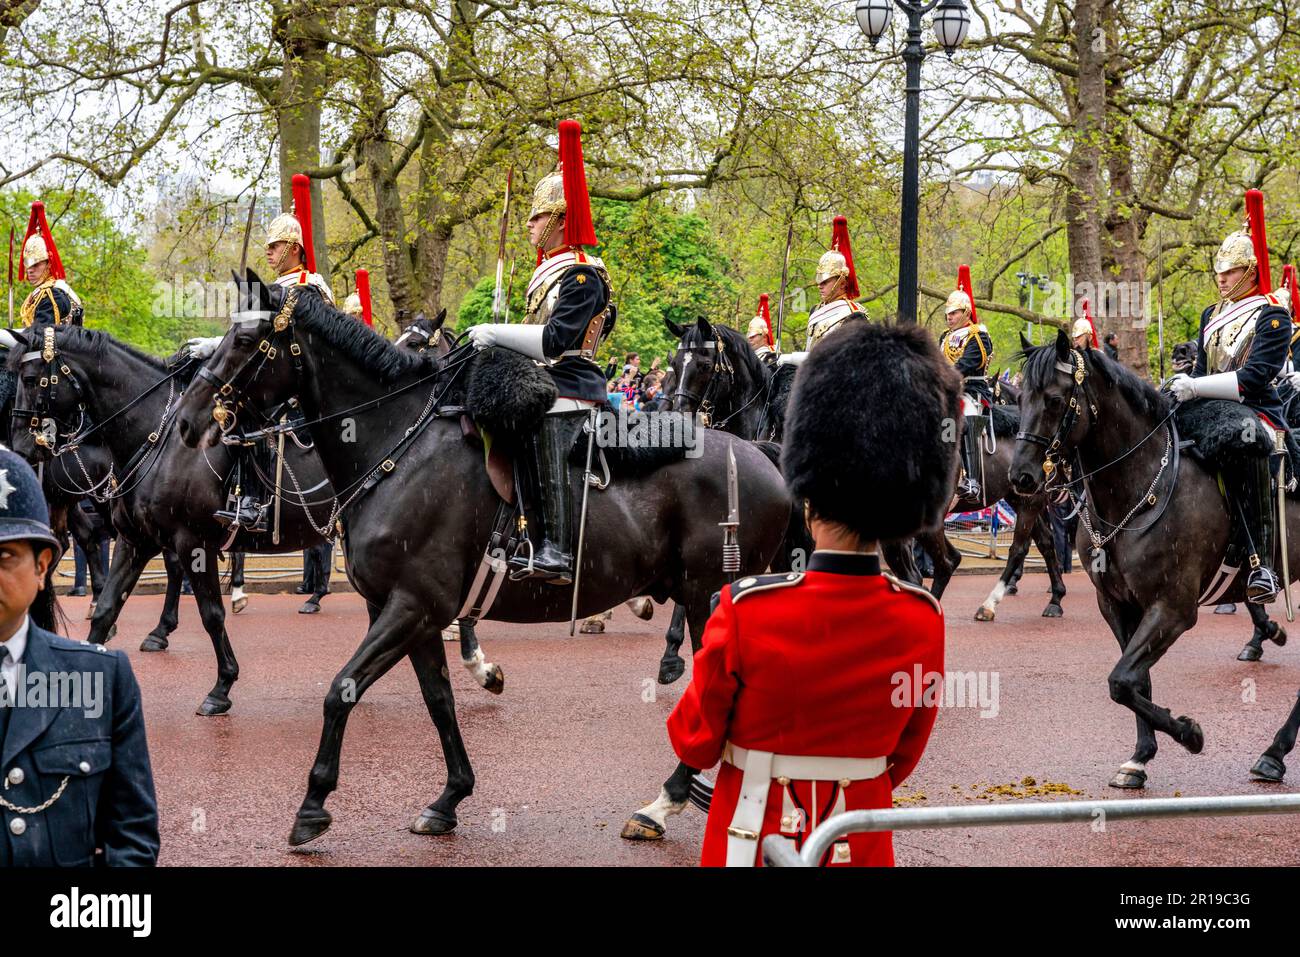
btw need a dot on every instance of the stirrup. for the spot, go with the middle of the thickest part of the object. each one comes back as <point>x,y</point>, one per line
<point>1262,586</point>
<point>967,487</point>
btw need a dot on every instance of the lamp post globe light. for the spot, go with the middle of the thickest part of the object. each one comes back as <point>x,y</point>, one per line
<point>951,24</point>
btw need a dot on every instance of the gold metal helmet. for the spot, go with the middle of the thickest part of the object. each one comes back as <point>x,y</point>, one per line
<point>757,327</point>
<point>285,228</point>
<point>1237,250</point>
<point>548,196</point>
<point>352,305</point>
<point>1081,327</point>
<point>831,264</point>
<point>35,251</point>
<point>956,300</point>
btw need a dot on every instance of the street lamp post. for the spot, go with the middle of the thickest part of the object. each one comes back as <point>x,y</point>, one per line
<point>951,23</point>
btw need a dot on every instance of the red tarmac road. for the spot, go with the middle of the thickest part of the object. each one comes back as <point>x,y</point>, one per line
<point>577,741</point>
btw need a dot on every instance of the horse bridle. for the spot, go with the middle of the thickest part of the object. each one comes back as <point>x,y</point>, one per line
<point>225,410</point>
<point>45,395</point>
<point>1052,457</point>
<point>704,403</point>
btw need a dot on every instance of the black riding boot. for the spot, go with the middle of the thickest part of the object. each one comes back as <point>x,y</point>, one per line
<point>1259,509</point>
<point>247,513</point>
<point>969,485</point>
<point>549,452</point>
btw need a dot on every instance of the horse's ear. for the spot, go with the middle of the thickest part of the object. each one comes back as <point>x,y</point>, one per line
<point>706,330</point>
<point>674,328</point>
<point>1025,344</point>
<point>1062,344</point>
<point>439,319</point>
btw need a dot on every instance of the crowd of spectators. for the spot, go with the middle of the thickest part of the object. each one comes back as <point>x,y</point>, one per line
<point>641,390</point>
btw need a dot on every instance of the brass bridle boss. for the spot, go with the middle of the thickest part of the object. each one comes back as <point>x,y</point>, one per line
<point>225,410</point>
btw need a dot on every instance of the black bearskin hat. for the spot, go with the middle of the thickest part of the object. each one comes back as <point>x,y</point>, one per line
<point>872,431</point>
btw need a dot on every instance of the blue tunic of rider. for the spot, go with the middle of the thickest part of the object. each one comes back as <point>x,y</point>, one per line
<point>583,295</point>
<point>1256,358</point>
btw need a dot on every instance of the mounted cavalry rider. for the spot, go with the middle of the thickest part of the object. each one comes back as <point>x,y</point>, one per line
<point>568,311</point>
<point>51,299</point>
<point>969,347</point>
<point>759,333</point>
<point>837,284</point>
<point>1244,341</point>
<point>796,685</point>
<point>290,252</point>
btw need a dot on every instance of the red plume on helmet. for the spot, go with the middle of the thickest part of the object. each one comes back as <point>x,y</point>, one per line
<point>302,209</point>
<point>1289,280</point>
<point>363,293</point>
<point>579,230</point>
<point>1087,314</point>
<point>964,284</point>
<point>840,243</point>
<point>1258,237</point>
<point>36,224</point>
<point>766,313</point>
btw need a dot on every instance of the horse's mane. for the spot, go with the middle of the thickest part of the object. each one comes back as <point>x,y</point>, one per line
<point>357,341</point>
<point>1040,371</point>
<point>737,347</point>
<point>93,341</point>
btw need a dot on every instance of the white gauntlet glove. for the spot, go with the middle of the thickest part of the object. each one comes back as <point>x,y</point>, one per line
<point>1221,386</point>
<point>526,340</point>
<point>791,358</point>
<point>201,348</point>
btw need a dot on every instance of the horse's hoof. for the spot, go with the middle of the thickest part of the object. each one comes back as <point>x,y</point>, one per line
<point>1251,653</point>
<point>496,682</point>
<point>1013,589</point>
<point>1193,738</point>
<point>984,613</point>
<point>641,828</point>
<point>643,608</point>
<point>1268,768</point>
<point>212,705</point>
<point>1227,608</point>
<point>592,626</point>
<point>1053,610</point>
<point>433,822</point>
<point>153,643</point>
<point>670,669</point>
<point>1129,779</point>
<point>1278,637</point>
<point>309,827</point>
<point>90,611</point>
<point>309,608</point>
<point>239,604</point>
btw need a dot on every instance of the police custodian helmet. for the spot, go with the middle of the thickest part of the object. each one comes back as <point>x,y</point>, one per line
<point>870,439</point>
<point>23,512</point>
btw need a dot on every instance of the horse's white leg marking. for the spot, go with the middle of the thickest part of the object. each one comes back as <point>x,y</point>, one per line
<point>662,808</point>
<point>996,595</point>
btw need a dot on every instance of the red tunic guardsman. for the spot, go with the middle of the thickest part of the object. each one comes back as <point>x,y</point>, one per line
<point>812,688</point>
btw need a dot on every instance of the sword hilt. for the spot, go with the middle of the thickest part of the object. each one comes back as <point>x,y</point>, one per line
<point>730,549</point>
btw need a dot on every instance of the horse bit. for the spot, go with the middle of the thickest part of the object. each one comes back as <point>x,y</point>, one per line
<point>224,410</point>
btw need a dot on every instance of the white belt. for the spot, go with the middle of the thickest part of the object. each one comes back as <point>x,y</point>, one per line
<point>571,405</point>
<point>760,768</point>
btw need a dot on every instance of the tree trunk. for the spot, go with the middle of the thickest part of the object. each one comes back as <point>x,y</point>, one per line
<point>1126,305</point>
<point>303,83</point>
<point>1082,203</point>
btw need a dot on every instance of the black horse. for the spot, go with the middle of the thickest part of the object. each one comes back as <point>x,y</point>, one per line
<point>165,494</point>
<point>413,553</point>
<point>1165,528</point>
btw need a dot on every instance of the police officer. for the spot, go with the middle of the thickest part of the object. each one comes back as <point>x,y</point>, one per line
<point>796,686</point>
<point>1244,342</point>
<point>51,299</point>
<point>75,783</point>
<point>568,313</point>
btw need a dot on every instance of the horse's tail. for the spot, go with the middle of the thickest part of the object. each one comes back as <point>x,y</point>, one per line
<point>797,545</point>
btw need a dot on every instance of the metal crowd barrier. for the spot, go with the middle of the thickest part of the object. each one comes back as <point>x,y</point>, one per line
<point>779,852</point>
